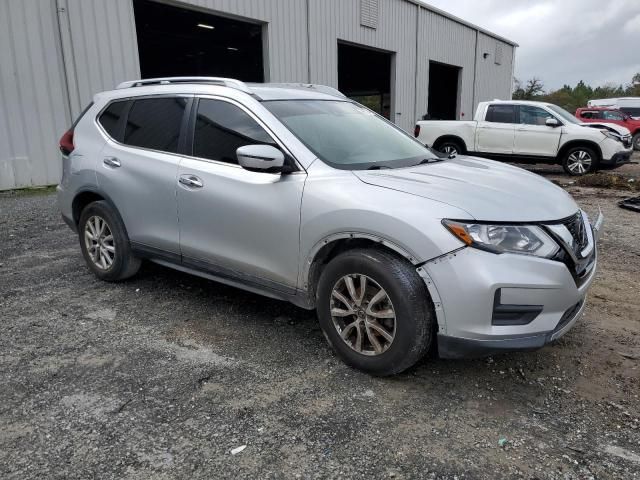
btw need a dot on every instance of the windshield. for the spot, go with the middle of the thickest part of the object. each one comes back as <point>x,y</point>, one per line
<point>348,136</point>
<point>566,116</point>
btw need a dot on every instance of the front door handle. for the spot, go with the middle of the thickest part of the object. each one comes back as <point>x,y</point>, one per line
<point>111,162</point>
<point>191,181</point>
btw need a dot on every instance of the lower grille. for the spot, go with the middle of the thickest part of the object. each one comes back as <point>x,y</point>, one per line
<point>568,316</point>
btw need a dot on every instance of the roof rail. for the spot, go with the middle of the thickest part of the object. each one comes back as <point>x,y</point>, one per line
<point>307,86</point>
<point>227,82</point>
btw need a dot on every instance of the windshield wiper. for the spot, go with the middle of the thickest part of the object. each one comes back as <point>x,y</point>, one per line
<point>430,160</point>
<point>377,167</point>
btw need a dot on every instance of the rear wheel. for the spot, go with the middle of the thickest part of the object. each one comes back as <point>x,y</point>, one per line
<point>375,311</point>
<point>104,243</point>
<point>579,161</point>
<point>450,147</point>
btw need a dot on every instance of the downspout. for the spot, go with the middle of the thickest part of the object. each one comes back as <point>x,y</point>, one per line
<point>475,68</point>
<point>308,45</point>
<point>415,90</point>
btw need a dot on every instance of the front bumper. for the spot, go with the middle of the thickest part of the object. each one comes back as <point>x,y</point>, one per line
<point>617,159</point>
<point>464,287</point>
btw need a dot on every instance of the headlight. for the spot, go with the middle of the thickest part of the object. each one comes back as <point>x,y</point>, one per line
<point>611,135</point>
<point>523,239</point>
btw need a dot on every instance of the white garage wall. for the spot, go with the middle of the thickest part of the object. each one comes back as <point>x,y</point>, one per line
<point>333,20</point>
<point>33,107</point>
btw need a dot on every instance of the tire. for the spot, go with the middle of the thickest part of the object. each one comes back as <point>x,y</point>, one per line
<point>578,161</point>
<point>408,301</point>
<point>636,141</point>
<point>117,248</point>
<point>450,147</point>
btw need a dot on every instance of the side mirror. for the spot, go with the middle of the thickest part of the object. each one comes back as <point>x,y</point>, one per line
<point>552,122</point>
<point>260,158</point>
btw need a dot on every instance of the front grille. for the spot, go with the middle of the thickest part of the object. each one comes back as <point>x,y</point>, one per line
<point>578,230</point>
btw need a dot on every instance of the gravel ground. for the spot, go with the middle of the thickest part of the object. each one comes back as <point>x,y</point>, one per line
<point>164,375</point>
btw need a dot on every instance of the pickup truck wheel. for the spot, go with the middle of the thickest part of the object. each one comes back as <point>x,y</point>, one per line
<point>374,311</point>
<point>450,147</point>
<point>579,161</point>
<point>636,141</point>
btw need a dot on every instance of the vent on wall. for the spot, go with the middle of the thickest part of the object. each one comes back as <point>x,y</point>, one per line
<point>369,13</point>
<point>498,56</point>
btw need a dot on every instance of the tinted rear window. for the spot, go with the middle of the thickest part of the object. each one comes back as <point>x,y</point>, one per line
<point>155,123</point>
<point>501,114</point>
<point>110,118</point>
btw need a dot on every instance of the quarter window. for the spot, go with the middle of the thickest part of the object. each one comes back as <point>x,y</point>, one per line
<point>501,114</point>
<point>533,115</point>
<point>221,128</point>
<point>155,123</point>
<point>110,118</point>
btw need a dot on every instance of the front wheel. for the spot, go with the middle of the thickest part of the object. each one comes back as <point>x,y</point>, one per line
<point>636,141</point>
<point>579,161</point>
<point>375,311</point>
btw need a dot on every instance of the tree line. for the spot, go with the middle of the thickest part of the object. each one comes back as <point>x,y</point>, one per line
<point>570,98</point>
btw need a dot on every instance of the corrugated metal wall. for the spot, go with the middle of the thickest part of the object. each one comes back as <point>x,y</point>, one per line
<point>33,106</point>
<point>493,81</point>
<point>445,41</point>
<point>333,20</point>
<point>55,54</point>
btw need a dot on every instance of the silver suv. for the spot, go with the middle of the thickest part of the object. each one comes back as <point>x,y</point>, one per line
<point>295,192</point>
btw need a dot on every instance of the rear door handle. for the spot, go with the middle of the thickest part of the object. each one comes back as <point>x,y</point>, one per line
<point>111,162</point>
<point>191,181</point>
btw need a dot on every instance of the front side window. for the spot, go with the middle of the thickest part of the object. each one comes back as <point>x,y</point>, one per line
<point>533,115</point>
<point>612,115</point>
<point>110,118</point>
<point>154,123</point>
<point>501,114</point>
<point>348,136</point>
<point>221,128</point>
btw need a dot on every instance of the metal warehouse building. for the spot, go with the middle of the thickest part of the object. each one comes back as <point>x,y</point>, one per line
<point>402,58</point>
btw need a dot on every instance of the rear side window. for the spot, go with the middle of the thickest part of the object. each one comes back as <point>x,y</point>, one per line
<point>110,118</point>
<point>221,128</point>
<point>501,114</point>
<point>154,123</point>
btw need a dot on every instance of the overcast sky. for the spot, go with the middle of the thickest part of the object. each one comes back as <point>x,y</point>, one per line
<point>562,41</point>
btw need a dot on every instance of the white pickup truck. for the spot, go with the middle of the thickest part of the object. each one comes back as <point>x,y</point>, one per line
<point>527,131</point>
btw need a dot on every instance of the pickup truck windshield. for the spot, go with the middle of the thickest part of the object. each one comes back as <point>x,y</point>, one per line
<point>347,136</point>
<point>562,113</point>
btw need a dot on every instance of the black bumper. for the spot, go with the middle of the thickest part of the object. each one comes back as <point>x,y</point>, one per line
<point>618,159</point>
<point>453,347</point>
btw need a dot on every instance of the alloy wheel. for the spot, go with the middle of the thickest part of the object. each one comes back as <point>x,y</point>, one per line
<point>579,162</point>
<point>99,242</point>
<point>363,315</point>
<point>449,150</point>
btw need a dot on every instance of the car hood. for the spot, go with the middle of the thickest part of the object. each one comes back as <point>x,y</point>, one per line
<point>612,127</point>
<point>485,189</point>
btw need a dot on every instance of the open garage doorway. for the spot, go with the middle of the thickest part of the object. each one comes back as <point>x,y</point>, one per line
<point>174,41</point>
<point>444,91</point>
<point>364,75</point>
